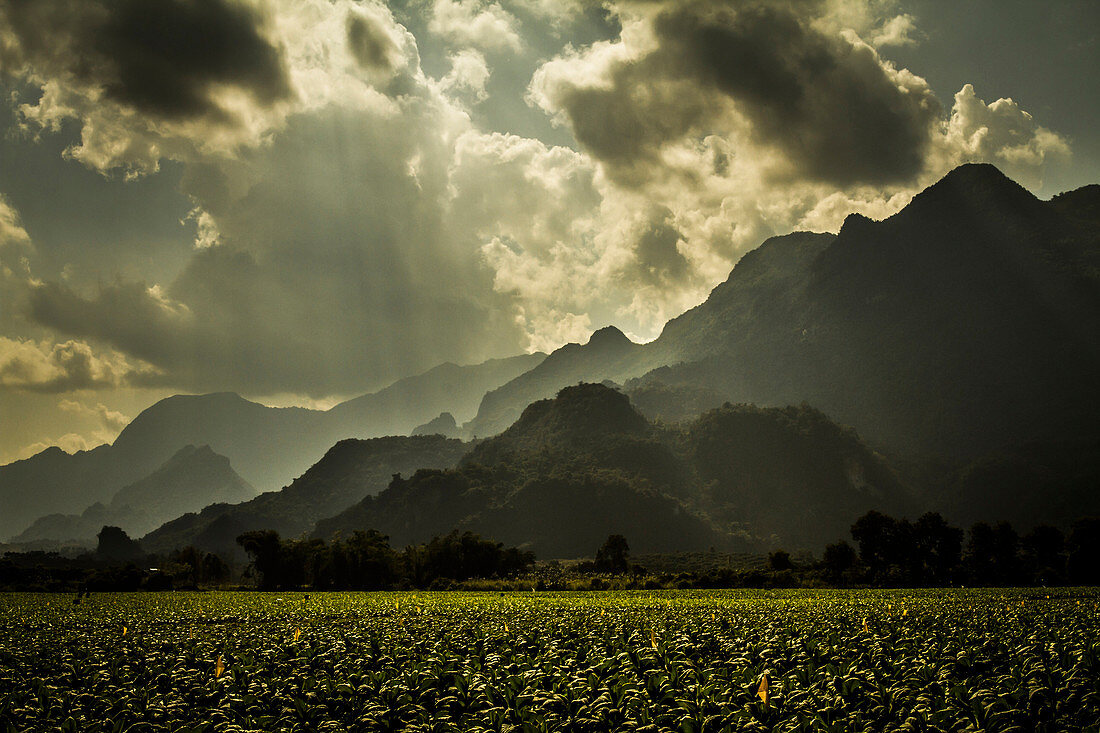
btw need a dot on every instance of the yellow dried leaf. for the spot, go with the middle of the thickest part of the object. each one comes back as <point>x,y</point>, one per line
<point>297,634</point>
<point>219,667</point>
<point>762,691</point>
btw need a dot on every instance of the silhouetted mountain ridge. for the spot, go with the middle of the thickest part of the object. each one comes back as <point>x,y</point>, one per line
<point>350,470</point>
<point>584,465</point>
<point>967,321</point>
<point>609,354</point>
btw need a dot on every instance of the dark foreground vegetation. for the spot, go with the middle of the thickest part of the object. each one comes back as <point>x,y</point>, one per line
<point>636,661</point>
<point>888,553</point>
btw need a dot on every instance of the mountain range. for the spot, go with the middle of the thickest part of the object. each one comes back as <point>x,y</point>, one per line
<point>349,471</point>
<point>190,480</point>
<point>586,464</point>
<point>267,446</point>
<point>967,321</point>
<point>960,337</point>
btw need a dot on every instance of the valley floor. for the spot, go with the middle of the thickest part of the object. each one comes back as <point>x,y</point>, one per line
<point>648,660</point>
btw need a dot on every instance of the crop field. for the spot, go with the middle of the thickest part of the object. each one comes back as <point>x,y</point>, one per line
<point>1016,660</point>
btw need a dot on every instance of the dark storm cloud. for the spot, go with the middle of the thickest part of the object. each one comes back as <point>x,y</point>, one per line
<point>124,314</point>
<point>659,261</point>
<point>371,45</point>
<point>162,57</point>
<point>828,105</point>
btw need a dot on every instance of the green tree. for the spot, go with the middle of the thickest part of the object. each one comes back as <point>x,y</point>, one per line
<point>1084,552</point>
<point>780,560</point>
<point>1043,550</point>
<point>214,569</point>
<point>993,554</point>
<point>115,545</point>
<point>265,553</point>
<point>839,558</point>
<point>614,556</point>
<point>937,550</point>
<point>885,546</point>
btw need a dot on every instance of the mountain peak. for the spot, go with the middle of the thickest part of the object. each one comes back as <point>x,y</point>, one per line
<point>854,222</point>
<point>196,454</point>
<point>580,415</point>
<point>609,336</point>
<point>976,187</point>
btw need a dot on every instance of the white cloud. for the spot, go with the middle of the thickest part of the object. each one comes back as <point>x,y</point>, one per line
<point>206,229</point>
<point>16,250</point>
<point>1000,133</point>
<point>484,25</point>
<point>901,30</point>
<point>45,366</point>
<point>112,420</point>
<point>468,75</point>
<point>70,443</point>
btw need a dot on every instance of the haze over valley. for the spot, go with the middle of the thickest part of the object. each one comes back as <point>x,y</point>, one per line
<point>707,275</point>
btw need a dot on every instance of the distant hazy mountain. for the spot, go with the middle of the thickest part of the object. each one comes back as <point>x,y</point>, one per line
<point>444,425</point>
<point>54,481</point>
<point>191,479</point>
<point>967,321</point>
<point>268,446</point>
<point>584,465</point>
<point>349,471</point>
<point>608,355</point>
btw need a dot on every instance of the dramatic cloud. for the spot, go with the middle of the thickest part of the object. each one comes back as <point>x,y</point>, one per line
<point>1001,133</point>
<point>827,104</point>
<point>145,74</point>
<point>484,25</point>
<point>373,42</point>
<point>166,57</point>
<point>48,367</point>
<point>371,197</point>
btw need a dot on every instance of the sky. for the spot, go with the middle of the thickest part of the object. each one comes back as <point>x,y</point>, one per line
<point>304,200</point>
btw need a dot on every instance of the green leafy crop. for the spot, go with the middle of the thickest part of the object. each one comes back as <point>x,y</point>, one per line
<point>648,661</point>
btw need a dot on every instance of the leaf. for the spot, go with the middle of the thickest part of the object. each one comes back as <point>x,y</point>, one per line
<point>653,638</point>
<point>762,691</point>
<point>297,634</point>
<point>219,667</point>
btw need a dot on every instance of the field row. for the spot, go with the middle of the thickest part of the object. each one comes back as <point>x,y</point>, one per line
<point>655,661</point>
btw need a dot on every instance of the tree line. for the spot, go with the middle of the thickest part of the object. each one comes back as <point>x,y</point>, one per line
<point>887,552</point>
<point>365,561</point>
<point>930,552</point>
